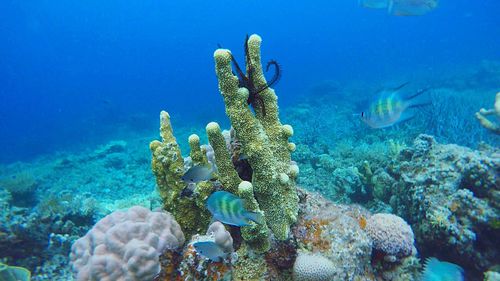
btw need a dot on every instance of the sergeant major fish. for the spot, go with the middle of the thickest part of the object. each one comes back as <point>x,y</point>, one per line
<point>228,208</point>
<point>390,107</point>
<point>401,7</point>
<point>411,7</point>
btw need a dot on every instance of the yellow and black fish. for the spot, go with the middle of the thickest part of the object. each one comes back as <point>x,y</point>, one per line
<point>228,208</point>
<point>390,107</point>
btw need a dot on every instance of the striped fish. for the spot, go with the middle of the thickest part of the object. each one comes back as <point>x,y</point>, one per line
<point>411,7</point>
<point>390,107</point>
<point>228,208</point>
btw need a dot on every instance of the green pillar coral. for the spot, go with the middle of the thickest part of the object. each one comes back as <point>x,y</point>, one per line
<point>168,167</point>
<point>264,141</point>
<point>198,156</point>
<point>256,235</point>
<point>227,174</point>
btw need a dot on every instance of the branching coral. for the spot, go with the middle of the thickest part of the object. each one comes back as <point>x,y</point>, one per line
<point>485,122</point>
<point>168,167</point>
<point>264,140</point>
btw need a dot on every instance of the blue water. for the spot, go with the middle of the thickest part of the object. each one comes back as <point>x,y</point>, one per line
<point>78,72</point>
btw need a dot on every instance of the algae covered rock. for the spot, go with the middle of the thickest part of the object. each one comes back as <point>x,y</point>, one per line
<point>335,233</point>
<point>450,194</point>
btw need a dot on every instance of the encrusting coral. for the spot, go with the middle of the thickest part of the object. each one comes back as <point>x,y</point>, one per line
<point>485,122</point>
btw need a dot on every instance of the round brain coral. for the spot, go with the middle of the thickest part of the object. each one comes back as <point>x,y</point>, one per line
<point>390,234</point>
<point>125,245</point>
<point>313,267</point>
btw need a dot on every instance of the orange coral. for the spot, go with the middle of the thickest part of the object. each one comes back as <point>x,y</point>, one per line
<point>362,222</point>
<point>216,270</point>
<point>312,235</point>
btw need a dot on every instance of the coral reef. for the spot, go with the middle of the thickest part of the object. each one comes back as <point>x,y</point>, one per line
<point>450,194</point>
<point>334,232</point>
<point>125,245</point>
<point>22,186</point>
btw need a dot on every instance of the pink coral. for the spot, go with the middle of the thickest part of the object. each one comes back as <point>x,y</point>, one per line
<point>390,234</point>
<point>125,245</point>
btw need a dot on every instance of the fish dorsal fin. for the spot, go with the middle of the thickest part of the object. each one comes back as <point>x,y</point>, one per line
<point>418,93</point>
<point>401,86</point>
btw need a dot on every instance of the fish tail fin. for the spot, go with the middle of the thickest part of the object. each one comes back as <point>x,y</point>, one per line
<point>255,217</point>
<point>418,93</point>
<point>406,118</point>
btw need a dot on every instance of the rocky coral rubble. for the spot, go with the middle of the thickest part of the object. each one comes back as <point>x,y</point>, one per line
<point>450,194</point>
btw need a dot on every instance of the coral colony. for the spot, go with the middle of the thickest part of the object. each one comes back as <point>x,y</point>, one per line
<point>233,209</point>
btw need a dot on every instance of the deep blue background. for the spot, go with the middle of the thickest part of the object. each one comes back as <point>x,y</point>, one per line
<point>75,72</point>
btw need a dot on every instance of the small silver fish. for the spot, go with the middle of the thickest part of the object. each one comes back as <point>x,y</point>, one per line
<point>198,173</point>
<point>210,250</point>
<point>228,208</point>
<point>435,270</point>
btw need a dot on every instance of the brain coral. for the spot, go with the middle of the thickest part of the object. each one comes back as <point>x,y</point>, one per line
<point>313,267</point>
<point>125,245</point>
<point>390,234</point>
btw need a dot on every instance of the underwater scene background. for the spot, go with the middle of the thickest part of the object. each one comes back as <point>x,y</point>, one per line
<point>341,196</point>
